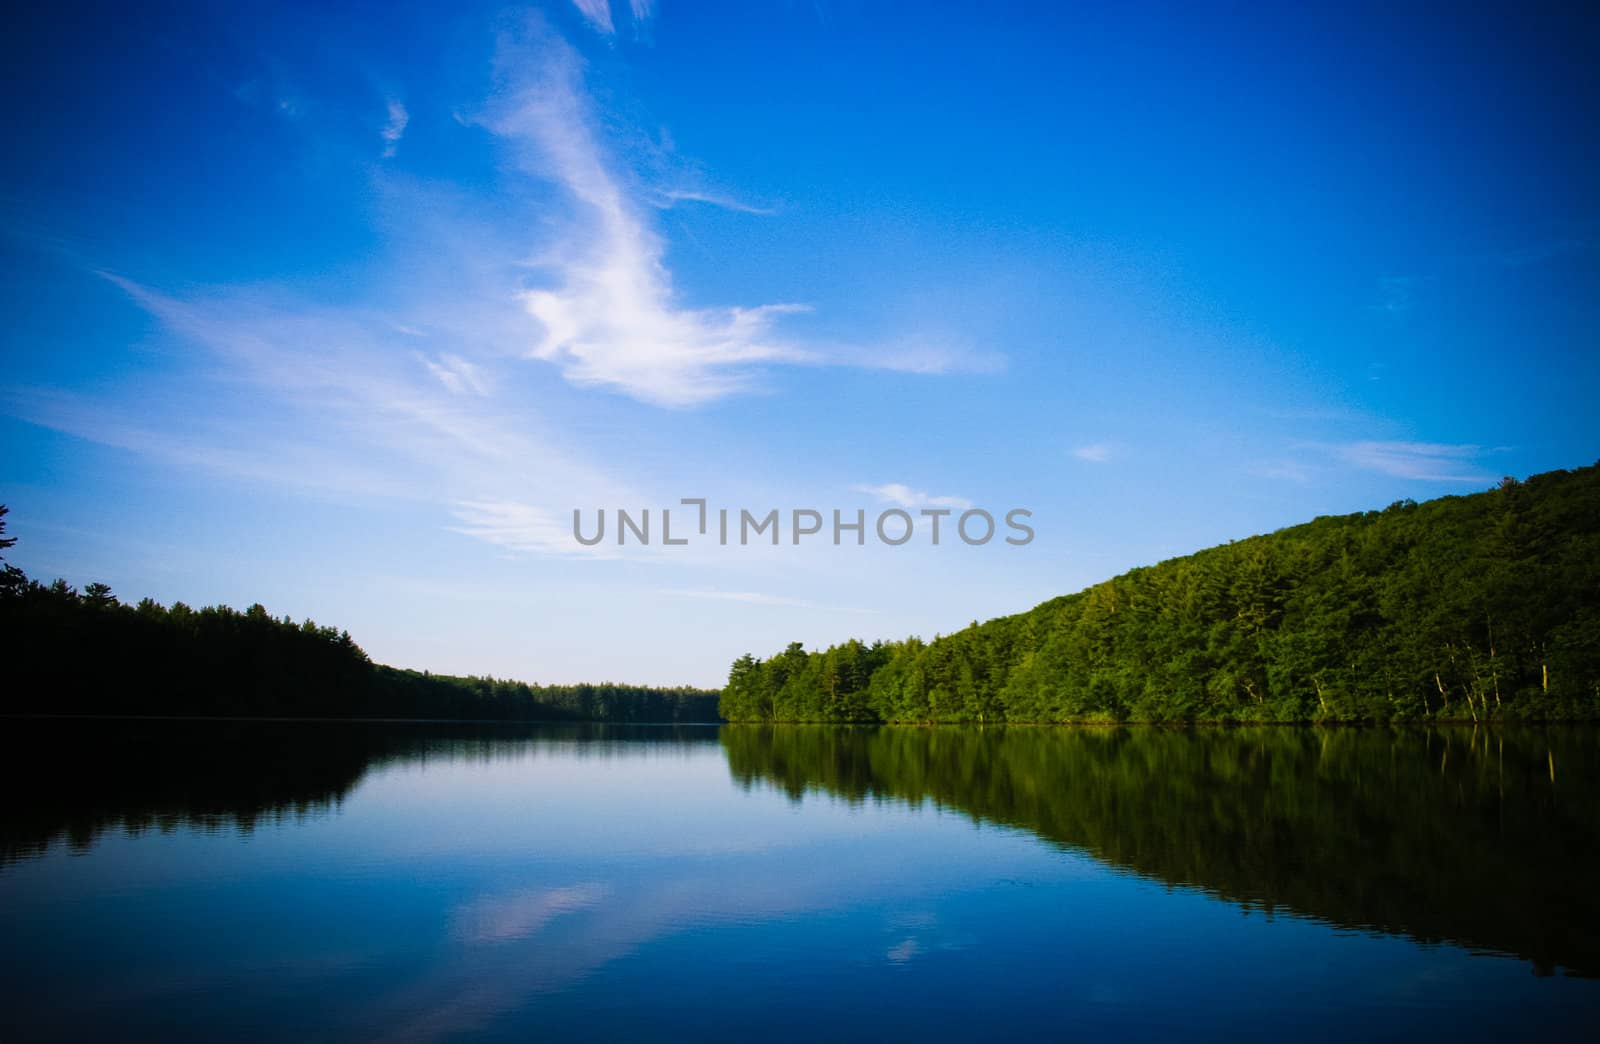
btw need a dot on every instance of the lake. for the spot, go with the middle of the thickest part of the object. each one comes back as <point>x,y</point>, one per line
<point>411,882</point>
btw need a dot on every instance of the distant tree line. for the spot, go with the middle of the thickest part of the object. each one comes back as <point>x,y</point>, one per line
<point>1470,608</point>
<point>85,652</point>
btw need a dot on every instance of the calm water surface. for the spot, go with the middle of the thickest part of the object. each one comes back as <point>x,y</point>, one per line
<point>338,881</point>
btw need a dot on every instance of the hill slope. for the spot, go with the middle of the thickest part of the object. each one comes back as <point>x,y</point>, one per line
<point>1471,608</point>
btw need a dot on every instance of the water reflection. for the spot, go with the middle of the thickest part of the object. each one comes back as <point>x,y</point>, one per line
<point>1482,838</point>
<point>1485,838</point>
<point>69,782</point>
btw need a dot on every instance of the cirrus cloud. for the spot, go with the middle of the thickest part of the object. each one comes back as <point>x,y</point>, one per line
<point>605,306</point>
<point>1426,461</point>
<point>904,496</point>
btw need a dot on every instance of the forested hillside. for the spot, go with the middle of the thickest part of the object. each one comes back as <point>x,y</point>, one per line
<point>1467,608</point>
<point>85,652</point>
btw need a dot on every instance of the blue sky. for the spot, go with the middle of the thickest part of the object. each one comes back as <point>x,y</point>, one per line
<point>346,311</point>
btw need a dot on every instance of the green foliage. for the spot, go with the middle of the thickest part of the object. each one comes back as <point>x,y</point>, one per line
<point>1470,608</point>
<point>68,652</point>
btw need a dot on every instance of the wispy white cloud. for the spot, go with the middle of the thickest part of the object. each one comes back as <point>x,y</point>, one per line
<point>609,315</point>
<point>524,528</point>
<point>194,442</point>
<point>1426,461</point>
<point>920,356</point>
<point>904,496</point>
<point>407,393</point>
<point>1094,453</point>
<point>330,399</point>
<point>457,374</point>
<point>606,309</point>
<point>665,199</point>
<point>395,128</point>
<point>597,13</point>
<point>1284,470</point>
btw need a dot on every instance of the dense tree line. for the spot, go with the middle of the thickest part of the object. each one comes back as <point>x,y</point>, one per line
<point>85,652</point>
<point>1468,608</point>
<point>417,694</point>
<point>1481,836</point>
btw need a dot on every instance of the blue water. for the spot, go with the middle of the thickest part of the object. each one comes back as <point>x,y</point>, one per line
<point>432,883</point>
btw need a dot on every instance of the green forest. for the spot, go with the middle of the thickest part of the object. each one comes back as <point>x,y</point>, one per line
<point>1465,608</point>
<point>86,652</point>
